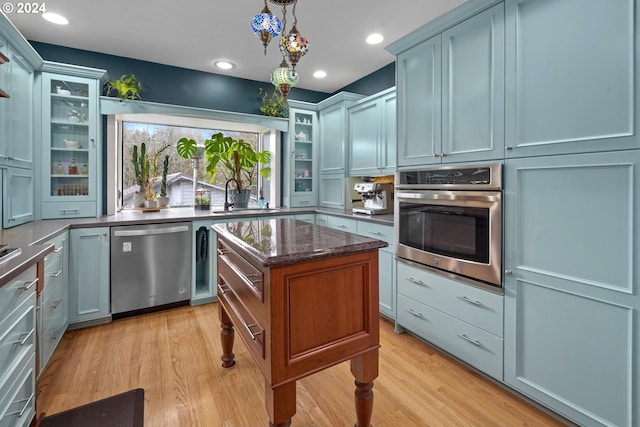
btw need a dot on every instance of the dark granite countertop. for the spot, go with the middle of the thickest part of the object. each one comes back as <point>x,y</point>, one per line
<point>36,233</point>
<point>273,242</point>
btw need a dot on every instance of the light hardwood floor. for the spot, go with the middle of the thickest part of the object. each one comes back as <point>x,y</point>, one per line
<point>175,356</point>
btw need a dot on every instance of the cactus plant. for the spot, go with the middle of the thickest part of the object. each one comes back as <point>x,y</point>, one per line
<point>163,184</point>
<point>141,165</point>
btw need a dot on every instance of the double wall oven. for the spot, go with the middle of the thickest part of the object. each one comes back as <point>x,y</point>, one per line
<point>449,219</point>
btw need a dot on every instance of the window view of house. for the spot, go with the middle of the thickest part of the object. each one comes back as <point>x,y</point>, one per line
<point>160,141</point>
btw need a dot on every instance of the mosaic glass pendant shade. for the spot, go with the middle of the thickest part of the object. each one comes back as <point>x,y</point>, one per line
<point>294,46</point>
<point>284,78</point>
<point>265,26</point>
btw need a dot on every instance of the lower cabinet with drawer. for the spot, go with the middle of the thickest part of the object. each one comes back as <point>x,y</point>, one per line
<point>53,304</point>
<point>461,319</point>
<point>17,350</point>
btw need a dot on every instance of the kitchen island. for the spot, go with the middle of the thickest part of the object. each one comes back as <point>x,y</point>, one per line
<point>303,298</point>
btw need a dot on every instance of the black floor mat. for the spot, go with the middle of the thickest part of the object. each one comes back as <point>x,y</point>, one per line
<point>122,410</point>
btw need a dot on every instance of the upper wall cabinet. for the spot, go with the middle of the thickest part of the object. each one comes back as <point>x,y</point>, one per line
<point>570,85</point>
<point>70,167</point>
<point>372,135</point>
<point>301,166</point>
<point>451,93</point>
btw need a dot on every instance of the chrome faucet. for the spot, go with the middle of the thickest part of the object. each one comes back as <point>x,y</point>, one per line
<point>228,205</point>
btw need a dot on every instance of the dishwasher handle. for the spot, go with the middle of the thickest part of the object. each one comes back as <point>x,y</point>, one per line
<point>152,231</point>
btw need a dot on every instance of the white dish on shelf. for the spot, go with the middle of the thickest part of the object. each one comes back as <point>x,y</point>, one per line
<point>71,144</point>
<point>61,91</point>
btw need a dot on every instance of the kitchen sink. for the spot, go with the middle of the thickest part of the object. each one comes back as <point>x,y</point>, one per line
<point>248,211</point>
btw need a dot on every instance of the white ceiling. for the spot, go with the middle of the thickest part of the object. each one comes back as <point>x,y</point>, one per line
<point>196,33</point>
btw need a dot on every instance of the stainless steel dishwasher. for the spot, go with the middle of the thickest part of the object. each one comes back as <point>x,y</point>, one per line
<point>150,266</point>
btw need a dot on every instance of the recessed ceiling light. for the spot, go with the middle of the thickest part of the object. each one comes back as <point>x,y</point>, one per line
<point>320,74</point>
<point>224,65</point>
<point>55,18</point>
<point>374,38</point>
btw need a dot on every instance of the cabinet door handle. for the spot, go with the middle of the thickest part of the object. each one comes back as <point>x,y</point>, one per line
<point>28,285</point>
<point>56,274</point>
<point>251,333</point>
<point>24,340</point>
<point>418,315</point>
<point>375,233</point>
<point>57,250</point>
<point>26,406</point>
<point>474,342</point>
<point>417,282</point>
<point>469,300</point>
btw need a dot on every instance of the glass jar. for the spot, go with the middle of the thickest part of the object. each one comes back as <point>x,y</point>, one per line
<point>84,170</point>
<point>73,168</point>
<point>59,169</point>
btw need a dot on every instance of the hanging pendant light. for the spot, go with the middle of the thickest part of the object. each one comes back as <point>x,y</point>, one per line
<point>284,78</point>
<point>265,25</point>
<point>294,45</point>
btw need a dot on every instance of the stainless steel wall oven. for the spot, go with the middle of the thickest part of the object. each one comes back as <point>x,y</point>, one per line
<point>450,218</point>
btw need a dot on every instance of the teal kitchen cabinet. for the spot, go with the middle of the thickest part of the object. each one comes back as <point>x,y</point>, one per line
<point>465,321</point>
<point>572,295</point>
<point>372,135</point>
<point>333,132</point>
<point>18,196</point>
<point>450,91</point>
<point>386,264</point>
<point>18,349</point>
<point>70,162</point>
<point>571,89</point>
<point>53,301</point>
<point>89,282</point>
<point>300,160</point>
<point>332,192</point>
<point>203,264</point>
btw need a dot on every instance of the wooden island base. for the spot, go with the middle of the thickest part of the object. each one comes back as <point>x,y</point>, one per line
<point>300,314</point>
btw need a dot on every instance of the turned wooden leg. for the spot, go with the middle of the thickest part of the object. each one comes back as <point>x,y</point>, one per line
<point>226,338</point>
<point>364,369</point>
<point>280,403</point>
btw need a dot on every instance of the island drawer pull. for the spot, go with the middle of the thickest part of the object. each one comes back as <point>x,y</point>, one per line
<point>474,342</point>
<point>469,300</point>
<point>223,288</point>
<point>222,252</point>
<point>26,406</point>
<point>28,285</point>
<point>251,333</point>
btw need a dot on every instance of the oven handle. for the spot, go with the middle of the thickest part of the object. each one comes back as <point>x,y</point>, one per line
<point>474,196</point>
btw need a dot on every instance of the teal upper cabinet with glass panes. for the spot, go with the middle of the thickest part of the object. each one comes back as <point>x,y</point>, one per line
<point>70,167</point>
<point>571,80</point>
<point>300,180</point>
<point>450,89</point>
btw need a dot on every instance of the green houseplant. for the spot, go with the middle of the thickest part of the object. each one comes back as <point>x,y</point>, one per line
<point>234,158</point>
<point>145,168</point>
<point>126,87</point>
<point>274,105</point>
<point>163,200</point>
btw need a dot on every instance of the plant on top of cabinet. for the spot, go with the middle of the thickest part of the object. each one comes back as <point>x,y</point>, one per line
<point>126,87</point>
<point>274,105</point>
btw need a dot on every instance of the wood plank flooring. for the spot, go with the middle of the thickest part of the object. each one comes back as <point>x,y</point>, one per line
<point>175,356</point>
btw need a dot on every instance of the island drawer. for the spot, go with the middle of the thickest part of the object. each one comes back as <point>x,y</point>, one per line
<point>243,277</point>
<point>376,231</point>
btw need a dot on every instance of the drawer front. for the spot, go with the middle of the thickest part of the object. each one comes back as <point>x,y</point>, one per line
<point>52,265</point>
<point>376,231</point>
<point>303,201</point>
<point>17,407</point>
<point>51,309</point>
<point>481,308</point>
<point>59,242</point>
<point>342,224</point>
<point>17,336</point>
<point>311,218</point>
<point>474,346</point>
<point>244,278</point>
<point>68,210</point>
<point>17,290</point>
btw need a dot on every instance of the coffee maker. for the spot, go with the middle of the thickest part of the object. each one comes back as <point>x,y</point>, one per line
<point>377,197</point>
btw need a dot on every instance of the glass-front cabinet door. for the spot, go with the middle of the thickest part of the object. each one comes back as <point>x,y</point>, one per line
<point>303,170</point>
<point>69,144</point>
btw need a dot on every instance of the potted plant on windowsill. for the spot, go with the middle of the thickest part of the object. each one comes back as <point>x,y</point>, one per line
<point>145,168</point>
<point>162,199</point>
<point>235,158</point>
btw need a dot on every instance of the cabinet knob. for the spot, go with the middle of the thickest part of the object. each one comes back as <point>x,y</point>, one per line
<point>436,154</point>
<point>509,147</point>
<point>508,272</point>
<point>444,154</point>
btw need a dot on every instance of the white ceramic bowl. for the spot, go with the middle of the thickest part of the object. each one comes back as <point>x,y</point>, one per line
<point>71,144</point>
